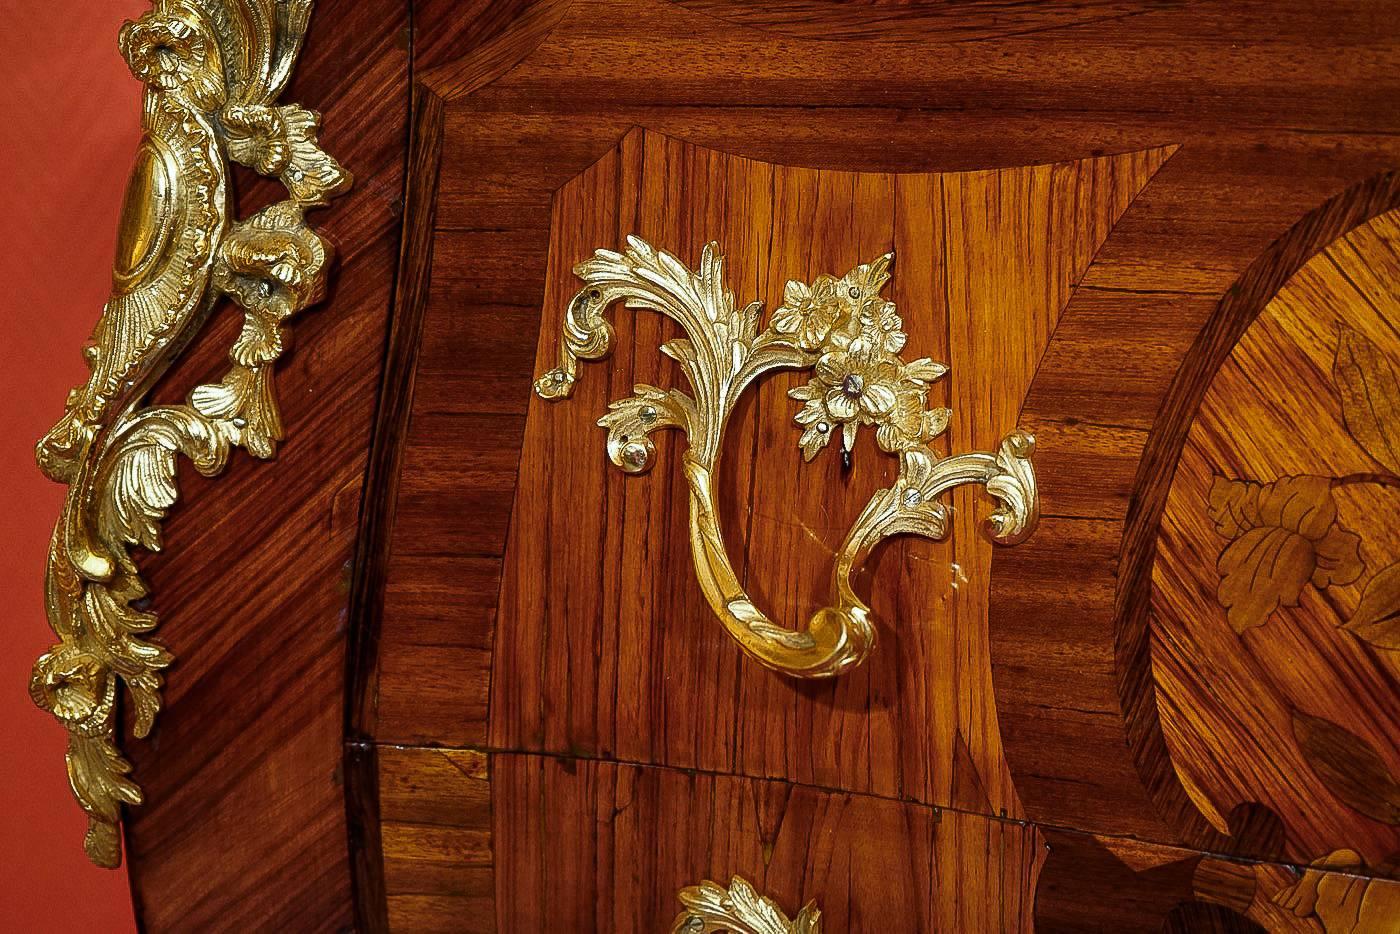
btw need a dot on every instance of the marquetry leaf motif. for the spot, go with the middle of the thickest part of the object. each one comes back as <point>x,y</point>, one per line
<point>1377,616</point>
<point>1343,903</point>
<point>212,70</point>
<point>1283,535</point>
<point>850,336</point>
<point>1370,389</point>
<point>711,909</point>
<point>1349,766</point>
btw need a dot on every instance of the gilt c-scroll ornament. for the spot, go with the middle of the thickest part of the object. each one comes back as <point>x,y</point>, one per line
<point>213,70</point>
<point>850,336</point>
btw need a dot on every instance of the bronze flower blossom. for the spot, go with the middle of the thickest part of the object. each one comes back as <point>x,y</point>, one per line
<point>808,312</point>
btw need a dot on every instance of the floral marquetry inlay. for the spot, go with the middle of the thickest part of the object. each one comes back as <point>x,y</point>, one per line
<point>1276,590</point>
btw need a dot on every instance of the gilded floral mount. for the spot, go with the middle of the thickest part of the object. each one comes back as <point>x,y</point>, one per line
<point>212,70</point>
<point>850,336</point>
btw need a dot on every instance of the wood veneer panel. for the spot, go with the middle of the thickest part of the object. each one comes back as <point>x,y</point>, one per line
<point>245,821</point>
<point>444,610</point>
<point>584,846</point>
<point>590,846</point>
<point>391,415</point>
<point>1276,107</point>
<point>1096,788</point>
<point>429,634</point>
<point>438,863</point>
<point>1100,883</point>
<point>598,570</point>
<point>1248,638</point>
<point>928,20</point>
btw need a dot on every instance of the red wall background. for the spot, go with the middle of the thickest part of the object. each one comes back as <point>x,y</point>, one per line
<point>69,121</point>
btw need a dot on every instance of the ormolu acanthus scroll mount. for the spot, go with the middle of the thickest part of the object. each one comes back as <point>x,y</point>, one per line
<point>851,337</point>
<point>712,909</point>
<point>213,70</point>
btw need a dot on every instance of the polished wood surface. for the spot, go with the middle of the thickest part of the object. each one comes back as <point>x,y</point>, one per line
<point>984,262</point>
<point>1095,661</point>
<point>1274,692</point>
<point>1093,207</point>
<point>438,857</point>
<point>245,822</point>
<point>577,850</point>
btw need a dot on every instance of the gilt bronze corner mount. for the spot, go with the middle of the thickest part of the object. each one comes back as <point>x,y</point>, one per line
<point>213,70</point>
<point>850,336</point>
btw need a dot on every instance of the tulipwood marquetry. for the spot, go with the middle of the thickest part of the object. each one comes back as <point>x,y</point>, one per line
<point>1264,653</point>
<point>613,549</point>
<point>1090,205</point>
<point>576,849</point>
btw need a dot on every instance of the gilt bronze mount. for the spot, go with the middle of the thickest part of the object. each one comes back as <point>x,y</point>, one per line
<point>712,909</point>
<point>213,70</point>
<point>850,337</point>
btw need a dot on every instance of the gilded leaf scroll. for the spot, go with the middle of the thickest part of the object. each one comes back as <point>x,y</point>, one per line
<point>212,70</point>
<point>850,337</point>
<point>712,909</point>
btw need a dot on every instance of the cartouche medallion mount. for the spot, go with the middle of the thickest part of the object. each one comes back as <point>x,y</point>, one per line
<point>850,337</point>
